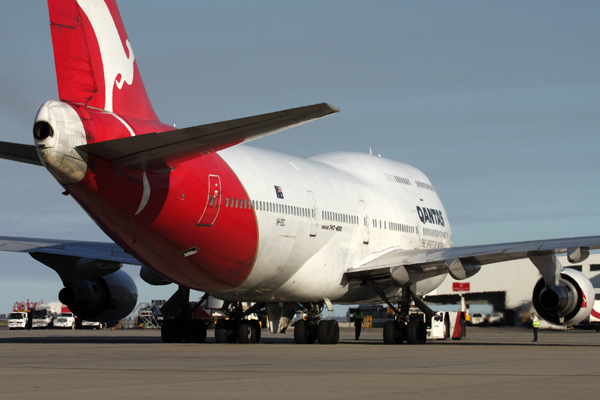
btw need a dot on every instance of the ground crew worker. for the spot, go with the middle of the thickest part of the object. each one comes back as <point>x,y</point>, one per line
<point>358,320</point>
<point>535,322</point>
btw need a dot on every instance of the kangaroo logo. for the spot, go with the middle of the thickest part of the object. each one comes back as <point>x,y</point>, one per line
<point>118,66</point>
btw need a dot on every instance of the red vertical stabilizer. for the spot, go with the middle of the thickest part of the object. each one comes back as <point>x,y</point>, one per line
<point>95,64</point>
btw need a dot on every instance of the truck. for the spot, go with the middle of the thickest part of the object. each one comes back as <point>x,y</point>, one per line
<point>44,314</point>
<point>66,319</point>
<point>19,320</point>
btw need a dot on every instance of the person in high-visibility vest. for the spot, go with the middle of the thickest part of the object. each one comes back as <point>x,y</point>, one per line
<point>535,322</point>
<point>358,320</point>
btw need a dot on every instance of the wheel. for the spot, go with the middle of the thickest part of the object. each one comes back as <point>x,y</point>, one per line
<point>257,330</point>
<point>328,332</point>
<point>389,332</point>
<point>335,332</point>
<point>323,332</point>
<point>246,332</point>
<point>172,331</point>
<point>307,333</point>
<point>220,331</point>
<point>231,330</point>
<point>301,332</point>
<point>194,331</point>
<point>416,332</point>
<point>393,332</point>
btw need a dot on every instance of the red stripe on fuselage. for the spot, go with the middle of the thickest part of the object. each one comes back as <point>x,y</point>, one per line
<point>167,225</point>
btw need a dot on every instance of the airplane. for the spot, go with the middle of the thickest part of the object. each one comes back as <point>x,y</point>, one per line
<point>199,208</point>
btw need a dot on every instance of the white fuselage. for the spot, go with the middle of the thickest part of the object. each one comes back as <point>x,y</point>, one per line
<point>321,216</point>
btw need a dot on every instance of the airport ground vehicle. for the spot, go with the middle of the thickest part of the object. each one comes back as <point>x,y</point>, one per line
<point>171,200</point>
<point>43,315</point>
<point>478,318</point>
<point>447,324</point>
<point>18,320</point>
<point>65,320</point>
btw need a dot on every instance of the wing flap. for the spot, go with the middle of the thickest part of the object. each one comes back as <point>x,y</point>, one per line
<point>154,151</point>
<point>25,153</point>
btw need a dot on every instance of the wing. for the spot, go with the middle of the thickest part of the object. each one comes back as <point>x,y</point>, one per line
<point>73,248</point>
<point>73,260</point>
<point>154,151</point>
<point>432,262</point>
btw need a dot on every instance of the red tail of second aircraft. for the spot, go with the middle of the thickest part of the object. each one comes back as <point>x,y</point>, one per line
<point>95,64</point>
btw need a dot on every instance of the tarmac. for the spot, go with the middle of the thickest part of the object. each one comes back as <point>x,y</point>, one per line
<point>134,364</point>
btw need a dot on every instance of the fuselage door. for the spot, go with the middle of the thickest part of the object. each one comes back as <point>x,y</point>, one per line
<point>213,202</point>
<point>314,222</point>
<point>366,222</point>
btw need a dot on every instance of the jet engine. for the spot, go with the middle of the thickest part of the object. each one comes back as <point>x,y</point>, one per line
<point>569,303</point>
<point>104,299</point>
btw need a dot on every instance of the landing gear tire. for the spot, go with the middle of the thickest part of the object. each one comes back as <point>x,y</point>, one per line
<point>392,333</point>
<point>194,331</point>
<point>246,332</point>
<point>172,331</point>
<point>416,332</point>
<point>304,333</point>
<point>300,332</point>
<point>328,332</point>
<point>223,333</point>
<point>257,330</point>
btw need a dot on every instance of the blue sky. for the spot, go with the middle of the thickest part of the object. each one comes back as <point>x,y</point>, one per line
<point>497,102</point>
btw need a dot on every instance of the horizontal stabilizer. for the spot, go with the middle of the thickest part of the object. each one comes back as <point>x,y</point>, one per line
<point>25,153</point>
<point>155,151</point>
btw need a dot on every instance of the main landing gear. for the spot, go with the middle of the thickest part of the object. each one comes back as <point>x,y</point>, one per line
<point>311,328</point>
<point>178,325</point>
<point>237,327</point>
<point>406,327</point>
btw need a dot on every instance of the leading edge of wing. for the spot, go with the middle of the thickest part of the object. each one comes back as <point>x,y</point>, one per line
<point>25,153</point>
<point>432,259</point>
<point>96,250</point>
<point>154,151</point>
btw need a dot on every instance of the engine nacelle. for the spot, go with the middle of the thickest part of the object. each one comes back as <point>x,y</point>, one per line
<point>573,299</point>
<point>105,299</point>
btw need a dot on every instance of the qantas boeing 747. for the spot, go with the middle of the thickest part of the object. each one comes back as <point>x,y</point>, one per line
<point>198,208</point>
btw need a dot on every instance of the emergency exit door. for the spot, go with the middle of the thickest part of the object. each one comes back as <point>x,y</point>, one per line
<point>213,202</point>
